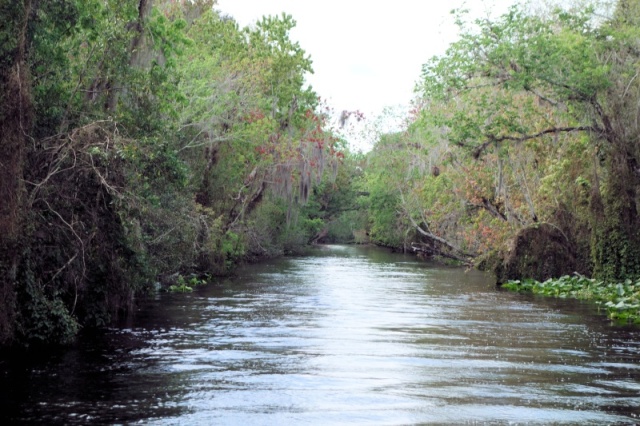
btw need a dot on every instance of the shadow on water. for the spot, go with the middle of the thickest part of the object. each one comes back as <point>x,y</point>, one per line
<point>347,335</point>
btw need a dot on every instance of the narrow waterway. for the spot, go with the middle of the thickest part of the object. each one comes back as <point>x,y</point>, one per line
<point>348,335</point>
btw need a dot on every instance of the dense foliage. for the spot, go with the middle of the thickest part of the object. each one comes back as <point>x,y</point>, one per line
<point>527,119</point>
<point>147,141</point>
<point>522,152</point>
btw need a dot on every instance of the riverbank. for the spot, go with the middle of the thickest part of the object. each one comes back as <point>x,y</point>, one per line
<point>347,335</point>
<point>621,301</point>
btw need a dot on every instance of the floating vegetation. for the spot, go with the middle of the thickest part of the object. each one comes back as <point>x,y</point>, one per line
<point>621,300</point>
<point>184,286</point>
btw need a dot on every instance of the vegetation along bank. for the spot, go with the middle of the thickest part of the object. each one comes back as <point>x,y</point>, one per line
<point>158,141</point>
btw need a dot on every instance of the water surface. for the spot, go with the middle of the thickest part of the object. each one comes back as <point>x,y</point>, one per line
<point>349,335</point>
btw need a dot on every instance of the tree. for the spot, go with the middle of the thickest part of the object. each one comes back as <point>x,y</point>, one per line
<point>15,125</point>
<point>528,77</point>
<point>71,255</point>
<point>251,129</point>
<point>140,141</point>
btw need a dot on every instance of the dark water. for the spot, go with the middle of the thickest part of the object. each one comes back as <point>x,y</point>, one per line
<point>347,336</point>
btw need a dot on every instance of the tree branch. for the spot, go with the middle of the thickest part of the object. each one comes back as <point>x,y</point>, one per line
<point>493,139</point>
<point>462,254</point>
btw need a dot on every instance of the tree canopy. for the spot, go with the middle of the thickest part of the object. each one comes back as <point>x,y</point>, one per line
<point>527,120</point>
<point>142,142</point>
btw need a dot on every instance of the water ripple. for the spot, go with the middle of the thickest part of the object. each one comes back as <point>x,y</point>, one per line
<point>349,336</point>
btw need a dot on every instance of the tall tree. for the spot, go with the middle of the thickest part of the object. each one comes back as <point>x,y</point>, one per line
<point>578,74</point>
<point>15,126</point>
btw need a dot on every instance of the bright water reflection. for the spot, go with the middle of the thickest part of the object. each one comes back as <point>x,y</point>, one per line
<point>348,336</point>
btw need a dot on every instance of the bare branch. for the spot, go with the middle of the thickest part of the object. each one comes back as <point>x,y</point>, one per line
<point>73,231</point>
<point>544,98</point>
<point>629,85</point>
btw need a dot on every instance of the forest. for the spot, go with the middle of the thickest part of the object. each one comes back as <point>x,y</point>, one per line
<point>154,145</point>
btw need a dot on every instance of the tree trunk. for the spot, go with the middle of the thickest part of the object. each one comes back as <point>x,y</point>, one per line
<point>15,126</point>
<point>137,50</point>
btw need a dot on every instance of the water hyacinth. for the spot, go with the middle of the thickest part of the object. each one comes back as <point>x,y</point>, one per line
<point>621,300</point>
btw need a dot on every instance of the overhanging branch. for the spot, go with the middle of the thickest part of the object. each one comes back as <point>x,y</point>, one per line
<point>493,139</point>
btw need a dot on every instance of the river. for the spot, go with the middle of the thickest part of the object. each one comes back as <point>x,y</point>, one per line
<point>346,336</point>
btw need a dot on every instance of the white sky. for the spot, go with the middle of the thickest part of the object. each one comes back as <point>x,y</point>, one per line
<point>367,55</point>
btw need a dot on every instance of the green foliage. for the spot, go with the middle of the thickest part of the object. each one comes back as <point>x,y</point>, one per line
<point>50,63</point>
<point>43,315</point>
<point>620,300</point>
<point>616,251</point>
<point>159,135</point>
<point>349,227</point>
<point>387,227</point>
<point>535,111</point>
<point>336,208</point>
<point>183,285</point>
<point>232,249</point>
<point>388,175</point>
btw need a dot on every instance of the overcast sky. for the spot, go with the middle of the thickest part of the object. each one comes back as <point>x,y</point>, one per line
<point>366,55</point>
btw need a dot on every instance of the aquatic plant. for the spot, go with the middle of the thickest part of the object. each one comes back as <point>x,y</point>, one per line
<point>620,300</point>
<point>184,286</point>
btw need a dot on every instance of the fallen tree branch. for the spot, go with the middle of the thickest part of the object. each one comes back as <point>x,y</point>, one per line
<point>432,251</point>
<point>457,253</point>
<point>441,240</point>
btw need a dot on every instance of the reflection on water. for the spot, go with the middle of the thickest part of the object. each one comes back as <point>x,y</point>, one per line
<point>350,335</point>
